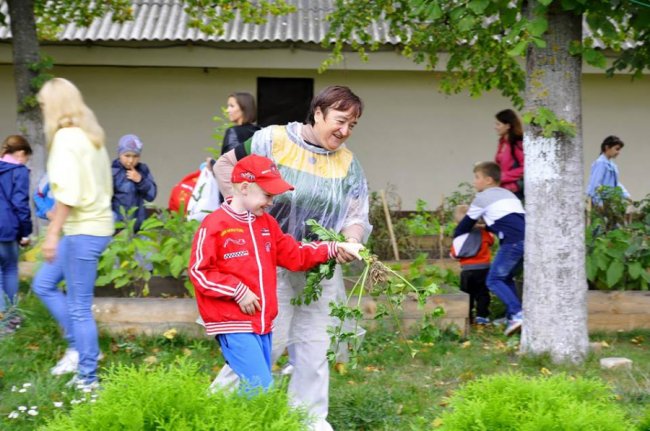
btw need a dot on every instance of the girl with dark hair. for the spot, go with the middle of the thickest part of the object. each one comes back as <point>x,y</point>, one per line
<point>604,171</point>
<point>243,113</point>
<point>510,152</point>
<point>15,220</point>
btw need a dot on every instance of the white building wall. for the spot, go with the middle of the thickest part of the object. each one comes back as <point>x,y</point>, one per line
<point>422,142</point>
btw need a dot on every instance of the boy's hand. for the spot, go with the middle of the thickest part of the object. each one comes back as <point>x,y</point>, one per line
<point>348,251</point>
<point>133,175</point>
<point>249,302</point>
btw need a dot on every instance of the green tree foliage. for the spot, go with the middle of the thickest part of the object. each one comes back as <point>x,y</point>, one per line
<point>480,42</point>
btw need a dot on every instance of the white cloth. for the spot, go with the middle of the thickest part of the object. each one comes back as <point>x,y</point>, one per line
<point>303,330</point>
<point>205,196</point>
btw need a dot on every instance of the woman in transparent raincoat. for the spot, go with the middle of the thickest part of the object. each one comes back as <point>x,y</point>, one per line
<point>331,188</point>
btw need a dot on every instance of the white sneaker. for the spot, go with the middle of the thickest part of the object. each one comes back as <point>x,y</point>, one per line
<point>80,385</point>
<point>287,370</point>
<point>67,364</point>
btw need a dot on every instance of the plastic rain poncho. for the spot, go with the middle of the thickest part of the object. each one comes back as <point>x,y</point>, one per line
<point>330,186</point>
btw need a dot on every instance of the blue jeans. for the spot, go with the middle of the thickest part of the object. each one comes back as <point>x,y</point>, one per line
<point>249,355</point>
<point>8,273</point>
<point>500,279</point>
<point>76,262</point>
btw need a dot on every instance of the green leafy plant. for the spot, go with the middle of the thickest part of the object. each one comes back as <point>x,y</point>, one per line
<point>515,402</point>
<point>122,263</point>
<point>618,253</point>
<point>377,280</point>
<point>173,235</point>
<point>422,222</point>
<point>175,398</point>
<point>161,248</point>
<point>315,276</point>
<point>421,273</point>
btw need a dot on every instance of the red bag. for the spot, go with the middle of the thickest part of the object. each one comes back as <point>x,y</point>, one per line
<point>182,192</point>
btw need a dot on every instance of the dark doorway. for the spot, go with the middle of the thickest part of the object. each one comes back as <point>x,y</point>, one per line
<point>283,100</point>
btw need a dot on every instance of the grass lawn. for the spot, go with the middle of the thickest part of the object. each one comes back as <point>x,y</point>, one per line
<point>388,391</point>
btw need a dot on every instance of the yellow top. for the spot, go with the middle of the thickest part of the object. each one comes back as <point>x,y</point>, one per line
<point>80,177</point>
<point>335,164</point>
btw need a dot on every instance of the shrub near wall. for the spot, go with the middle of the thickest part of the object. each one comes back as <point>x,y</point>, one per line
<point>618,250</point>
<point>514,402</point>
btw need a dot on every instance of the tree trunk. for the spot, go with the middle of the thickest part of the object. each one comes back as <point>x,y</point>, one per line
<point>555,311</point>
<point>26,53</point>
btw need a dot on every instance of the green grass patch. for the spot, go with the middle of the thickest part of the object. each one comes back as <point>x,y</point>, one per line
<point>388,391</point>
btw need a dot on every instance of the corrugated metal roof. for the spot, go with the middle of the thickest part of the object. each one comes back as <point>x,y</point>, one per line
<point>166,20</point>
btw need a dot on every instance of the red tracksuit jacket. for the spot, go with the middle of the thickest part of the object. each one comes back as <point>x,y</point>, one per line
<point>234,252</point>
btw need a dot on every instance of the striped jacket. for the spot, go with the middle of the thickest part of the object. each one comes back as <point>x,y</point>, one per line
<point>233,253</point>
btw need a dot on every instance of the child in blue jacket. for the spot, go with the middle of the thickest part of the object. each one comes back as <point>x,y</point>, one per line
<point>15,216</point>
<point>133,183</point>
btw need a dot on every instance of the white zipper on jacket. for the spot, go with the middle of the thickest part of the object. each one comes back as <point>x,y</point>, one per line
<point>259,267</point>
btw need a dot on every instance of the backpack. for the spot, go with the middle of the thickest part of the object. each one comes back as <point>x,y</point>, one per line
<point>182,192</point>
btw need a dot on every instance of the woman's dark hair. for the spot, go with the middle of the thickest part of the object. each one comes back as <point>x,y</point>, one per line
<point>15,143</point>
<point>335,97</point>
<point>246,103</point>
<point>609,142</point>
<point>516,131</point>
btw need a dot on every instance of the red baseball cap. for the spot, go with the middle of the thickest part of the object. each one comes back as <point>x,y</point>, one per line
<point>261,171</point>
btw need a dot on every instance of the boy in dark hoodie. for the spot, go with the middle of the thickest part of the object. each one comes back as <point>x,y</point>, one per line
<point>133,183</point>
<point>15,218</point>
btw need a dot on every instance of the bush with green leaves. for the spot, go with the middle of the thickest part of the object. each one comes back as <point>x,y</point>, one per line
<point>514,402</point>
<point>175,398</point>
<point>618,253</point>
<point>161,248</point>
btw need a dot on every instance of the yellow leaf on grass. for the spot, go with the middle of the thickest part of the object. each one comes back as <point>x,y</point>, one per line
<point>150,360</point>
<point>545,371</point>
<point>170,334</point>
<point>437,423</point>
<point>340,368</point>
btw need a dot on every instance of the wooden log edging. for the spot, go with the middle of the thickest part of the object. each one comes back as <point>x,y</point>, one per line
<point>608,311</point>
<point>148,316</point>
<point>618,310</point>
<point>154,316</point>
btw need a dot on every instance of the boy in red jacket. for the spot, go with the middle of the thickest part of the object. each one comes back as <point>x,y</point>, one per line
<point>233,268</point>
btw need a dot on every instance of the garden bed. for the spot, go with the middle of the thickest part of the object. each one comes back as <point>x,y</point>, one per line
<point>607,311</point>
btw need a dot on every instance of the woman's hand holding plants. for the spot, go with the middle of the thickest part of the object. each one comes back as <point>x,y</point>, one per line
<point>348,251</point>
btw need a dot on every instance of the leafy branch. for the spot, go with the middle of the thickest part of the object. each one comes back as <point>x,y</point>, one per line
<point>549,123</point>
<point>376,279</point>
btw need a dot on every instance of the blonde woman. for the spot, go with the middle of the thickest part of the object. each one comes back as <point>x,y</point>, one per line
<point>81,182</point>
